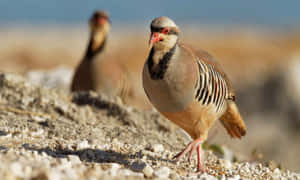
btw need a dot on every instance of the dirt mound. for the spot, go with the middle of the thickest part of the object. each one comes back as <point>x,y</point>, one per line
<point>51,134</point>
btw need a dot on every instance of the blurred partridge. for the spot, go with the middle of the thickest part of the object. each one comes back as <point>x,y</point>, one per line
<point>189,88</point>
<point>96,71</point>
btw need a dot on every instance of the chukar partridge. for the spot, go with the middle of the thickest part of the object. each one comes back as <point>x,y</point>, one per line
<point>188,87</point>
<point>96,72</point>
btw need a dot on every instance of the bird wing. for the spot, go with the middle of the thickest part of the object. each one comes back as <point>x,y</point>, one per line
<point>231,119</point>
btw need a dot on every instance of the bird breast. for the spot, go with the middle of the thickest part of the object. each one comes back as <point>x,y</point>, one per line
<point>175,91</point>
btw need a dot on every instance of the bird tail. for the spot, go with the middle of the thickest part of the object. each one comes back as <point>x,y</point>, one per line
<point>232,121</point>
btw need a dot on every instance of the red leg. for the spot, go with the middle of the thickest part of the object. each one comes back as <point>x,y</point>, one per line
<point>200,167</point>
<point>191,153</point>
<point>190,148</point>
<point>182,153</point>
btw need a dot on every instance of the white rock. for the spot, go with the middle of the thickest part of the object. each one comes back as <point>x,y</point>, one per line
<point>162,172</point>
<point>74,159</point>
<point>6,136</point>
<point>276,174</point>
<point>83,144</point>
<point>226,163</point>
<point>92,178</point>
<point>44,154</point>
<point>148,171</point>
<point>57,77</point>
<point>236,177</point>
<point>27,171</point>
<point>63,160</point>
<point>127,172</point>
<point>113,169</point>
<point>295,176</point>
<point>223,177</point>
<point>64,164</point>
<point>203,176</point>
<point>71,173</point>
<point>16,169</point>
<point>276,171</point>
<point>174,176</point>
<point>157,148</point>
<point>54,175</point>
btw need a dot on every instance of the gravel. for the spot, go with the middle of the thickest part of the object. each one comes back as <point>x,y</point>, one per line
<point>52,134</point>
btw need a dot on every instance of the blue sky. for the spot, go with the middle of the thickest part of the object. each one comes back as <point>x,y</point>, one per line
<point>258,12</point>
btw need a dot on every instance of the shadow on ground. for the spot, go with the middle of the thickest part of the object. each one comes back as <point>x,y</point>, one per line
<point>100,156</point>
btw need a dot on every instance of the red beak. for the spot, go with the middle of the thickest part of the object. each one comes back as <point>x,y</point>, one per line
<point>154,38</point>
<point>101,21</point>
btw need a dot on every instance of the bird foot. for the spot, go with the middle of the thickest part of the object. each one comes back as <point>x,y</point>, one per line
<point>190,148</point>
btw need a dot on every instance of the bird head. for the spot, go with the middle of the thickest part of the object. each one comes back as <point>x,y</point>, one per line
<point>99,22</point>
<point>164,33</point>
<point>99,27</point>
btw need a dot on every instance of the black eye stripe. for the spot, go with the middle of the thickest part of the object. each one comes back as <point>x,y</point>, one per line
<point>156,29</point>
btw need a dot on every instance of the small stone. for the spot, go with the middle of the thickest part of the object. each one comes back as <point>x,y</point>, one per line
<point>148,171</point>
<point>226,163</point>
<point>74,159</point>
<point>83,144</point>
<point>236,177</point>
<point>162,172</point>
<point>114,168</point>
<point>44,154</point>
<point>174,176</point>
<point>71,173</point>
<point>115,141</point>
<point>138,166</point>
<point>127,172</point>
<point>203,176</point>
<point>157,148</point>
<point>54,175</point>
<point>276,171</point>
<point>63,160</point>
<point>16,169</point>
<point>276,174</point>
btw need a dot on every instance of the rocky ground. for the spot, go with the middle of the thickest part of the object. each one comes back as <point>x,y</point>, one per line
<point>51,134</point>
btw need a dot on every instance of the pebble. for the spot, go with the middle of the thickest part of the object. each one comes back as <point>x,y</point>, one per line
<point>236,177</point>
<point>83,144</point>
<point>148,171</point>
<point>54,175</point>
<point>16,169</point>
<point>138,166</point>
<point>44,154</point>
<point>113,169</point>
<point>226,163</point>
<point>276,174</point>
<point>157,148</point>
<point>162,172</point>
<point>127,172</point>
<point>37,133</point>
<point>74,159</point>
<point>174,176</point>
<point>203,176</point>
<point>71,173</point>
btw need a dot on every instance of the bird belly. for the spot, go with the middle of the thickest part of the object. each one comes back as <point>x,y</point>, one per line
<point>195,119</point>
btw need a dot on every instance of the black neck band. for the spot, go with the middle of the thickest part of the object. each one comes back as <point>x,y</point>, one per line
<point>90,53</point>
<point>159,71</point>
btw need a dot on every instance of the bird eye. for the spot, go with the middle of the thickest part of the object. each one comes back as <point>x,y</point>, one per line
<point>166,30</point>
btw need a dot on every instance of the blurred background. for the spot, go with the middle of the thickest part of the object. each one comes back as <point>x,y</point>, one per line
<point>257,43</point>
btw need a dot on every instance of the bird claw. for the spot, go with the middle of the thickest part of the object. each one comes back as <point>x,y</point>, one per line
<point>176,157</point>
<point>190,148</point>
<point>198,172</point>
